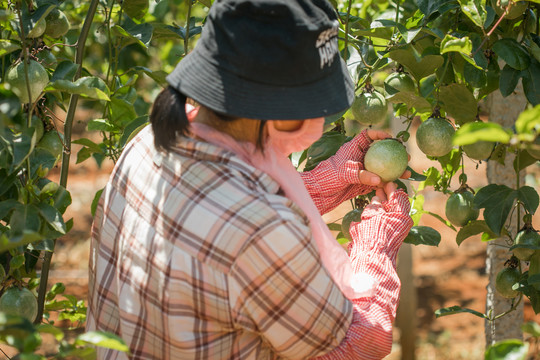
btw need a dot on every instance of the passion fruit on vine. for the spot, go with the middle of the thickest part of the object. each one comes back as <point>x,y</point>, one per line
<point>369,108</point>
<point>37,77</point>
<point>386,158</point>
<point>480,150</point>
<point>399,82</point>
<point>57,24</point>
<point>434,136</point>
<point>20,302</point>
<point>504,281</point>
<point>526,236</point>
<point>459,208</point>
<point>516,10</point>
<point>52,141</point>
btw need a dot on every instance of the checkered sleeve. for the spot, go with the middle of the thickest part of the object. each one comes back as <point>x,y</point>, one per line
<point>281,292</point>
<point>377,239</point>
<point>336,179</point>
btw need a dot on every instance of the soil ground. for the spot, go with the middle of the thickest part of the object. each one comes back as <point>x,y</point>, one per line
<point>443,276</point>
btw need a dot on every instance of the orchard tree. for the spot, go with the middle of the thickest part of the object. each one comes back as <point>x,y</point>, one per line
<point>439,61</point>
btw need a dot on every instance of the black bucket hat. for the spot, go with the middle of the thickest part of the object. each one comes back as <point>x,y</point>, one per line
<point>267,60</point>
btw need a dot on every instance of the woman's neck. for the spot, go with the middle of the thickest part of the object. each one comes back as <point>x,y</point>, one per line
<point>241,129</point>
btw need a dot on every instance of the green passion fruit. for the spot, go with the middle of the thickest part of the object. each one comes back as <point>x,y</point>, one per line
<point>459,208</point>
<point>52,141</point>
<point>399,82</point>
<point>37,76</point>
<point>480,150</point>
<point>22,302</point>
<point>369,108</point>
<point>518,8</point>
<point>354,215</point>
<point>526,237</point>
<point>434,136</point>
<point>57,24</point>
<point>504,281</point>
<point>387,158</point>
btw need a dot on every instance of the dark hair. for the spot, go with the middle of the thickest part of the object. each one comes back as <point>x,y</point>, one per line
<point>169,120</point>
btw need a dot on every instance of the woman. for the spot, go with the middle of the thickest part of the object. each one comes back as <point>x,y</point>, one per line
<point>207,244</point>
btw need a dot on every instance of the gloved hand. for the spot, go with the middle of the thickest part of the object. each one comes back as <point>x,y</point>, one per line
<point>342,176</point>
<point>385,224</point>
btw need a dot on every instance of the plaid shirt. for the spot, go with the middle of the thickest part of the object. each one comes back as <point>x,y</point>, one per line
<point>198,255</point>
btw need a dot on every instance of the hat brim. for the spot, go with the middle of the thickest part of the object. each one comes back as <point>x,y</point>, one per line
<point>227,93</point>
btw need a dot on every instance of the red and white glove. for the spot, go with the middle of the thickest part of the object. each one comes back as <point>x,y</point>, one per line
<point>376,241</point>
<point>342,176</point>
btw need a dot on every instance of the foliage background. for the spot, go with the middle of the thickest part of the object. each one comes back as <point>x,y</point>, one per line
<point>104,76</point>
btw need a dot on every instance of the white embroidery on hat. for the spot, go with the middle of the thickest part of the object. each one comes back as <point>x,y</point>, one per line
<point>327,44</point>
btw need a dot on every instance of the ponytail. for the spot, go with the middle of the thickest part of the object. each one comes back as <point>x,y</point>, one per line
<point>168,118</point>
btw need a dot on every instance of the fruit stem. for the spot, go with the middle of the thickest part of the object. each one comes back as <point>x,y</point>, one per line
<point>85,30</point>
<point>512,308</point>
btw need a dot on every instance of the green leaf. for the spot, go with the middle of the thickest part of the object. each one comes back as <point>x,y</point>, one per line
<point>508,80</point>
<point>102,339</point>
<point>16,262</point>
<point>50,329</point>
<point>512,53</point>
<point>411,100</point>
<point>459,102</point>
<point>133,129</point>
<point>53,217</point>
<point>451,310</point>
<point>139,33</point>
<point>513,349</point>
<point>423,235</point>
<point>23,144</point>
<point>523,160</point>
<point>531,82</point>
<point>529,197</point>
<point>90,87</point>
<point>497,201</point>
<point>62,199</point>
<point>95,202</point>
<point>474,227</point>
<point>88,143</point>
<point>416,176</point>
<point>83,154</point>
<point>25,218</point>
<point>7,46</point>
<point>419,67</point>
<point>451,43</point>
<point>65,70</point>
<point>122,112</point>
<point>473,132</point>
<point>532,328</point>
<point>158,76</point>
<point>100,125</point>
<point>428,7</point>
<point>7,206</point>
<point>475,10</point>
<point>206,3</point>
<point>322,149</point>
<point>529,121</point>
<point>135,9</point>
